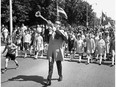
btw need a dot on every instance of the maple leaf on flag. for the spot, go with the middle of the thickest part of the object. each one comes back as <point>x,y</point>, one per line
<point>104,20</point>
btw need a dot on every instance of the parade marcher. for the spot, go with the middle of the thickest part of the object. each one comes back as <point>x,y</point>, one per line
<point>66,46</point>
<point>23,29</point>
<point>18,43</point>
<point>38,45</point>
<point>27,41</point>
<point>96,42</point>
<point>55,48</point>
<point>101,48</point>
<point>5,33</point>
<point>32,44</point>
<point>55,52</point>
<point>90,43</point>
<point>11,53</point>
<point>112,50</point>
<point>79,46</point>
<point>107,41</point>
<point>71,41</point>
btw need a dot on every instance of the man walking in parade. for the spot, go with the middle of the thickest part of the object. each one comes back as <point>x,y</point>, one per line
<point>55,52</point>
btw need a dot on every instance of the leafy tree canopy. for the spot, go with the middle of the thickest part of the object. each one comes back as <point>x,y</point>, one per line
<point>78,11</point>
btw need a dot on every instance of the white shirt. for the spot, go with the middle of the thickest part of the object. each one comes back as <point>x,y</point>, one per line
<point>27,38</point>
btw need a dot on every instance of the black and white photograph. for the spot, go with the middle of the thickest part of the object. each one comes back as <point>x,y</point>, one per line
<point>57,43</point>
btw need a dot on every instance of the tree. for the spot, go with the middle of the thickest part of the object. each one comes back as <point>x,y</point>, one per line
<point>24,12</point>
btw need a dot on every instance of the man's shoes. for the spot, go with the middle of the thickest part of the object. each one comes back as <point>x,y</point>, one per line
<point>60,78</point>
<point>48,83</point>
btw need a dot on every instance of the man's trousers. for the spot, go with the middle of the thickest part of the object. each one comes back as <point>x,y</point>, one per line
<point>59,68</point>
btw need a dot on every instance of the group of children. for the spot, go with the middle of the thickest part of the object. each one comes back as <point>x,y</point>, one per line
<point>98,47</point>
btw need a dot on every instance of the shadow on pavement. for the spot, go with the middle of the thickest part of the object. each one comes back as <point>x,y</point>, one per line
<point>38,79</point>
<point>35,78</point>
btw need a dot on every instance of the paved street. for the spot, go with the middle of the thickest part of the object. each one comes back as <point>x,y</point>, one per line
<point>33,73</point>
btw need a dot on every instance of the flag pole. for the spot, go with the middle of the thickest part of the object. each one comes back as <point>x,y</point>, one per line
<point>11,21</point>
<point>57,11</point>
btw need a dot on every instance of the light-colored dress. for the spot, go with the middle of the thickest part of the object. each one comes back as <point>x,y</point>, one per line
<point>101,47</point>
<point>79,45</point>
<point>39,43</point>
<point>90,43</point>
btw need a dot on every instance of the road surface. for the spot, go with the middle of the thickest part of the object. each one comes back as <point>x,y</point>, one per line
<point>33,73</point>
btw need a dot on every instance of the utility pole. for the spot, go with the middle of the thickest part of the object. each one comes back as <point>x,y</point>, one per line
<point>11,20</point>
<point>87,16</point>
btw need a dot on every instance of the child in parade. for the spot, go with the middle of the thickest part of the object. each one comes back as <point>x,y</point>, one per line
<point>101,48</point>
<point>107,41</point>
<point>11,53</point>
<point>112,50</point>
<point>5,33</point>
<point>27,41</point>
<point>96,42</point>
<point>90,43</point>
<point>39,45</point>
<point>79,46</point>
<point>71,41</point>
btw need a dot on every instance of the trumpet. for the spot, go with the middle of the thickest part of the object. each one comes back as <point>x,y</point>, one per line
<point>38,14</point>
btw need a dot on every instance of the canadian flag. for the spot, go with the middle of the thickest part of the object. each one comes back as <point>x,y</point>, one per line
<point>104,20</point>
<point>62,12</point>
